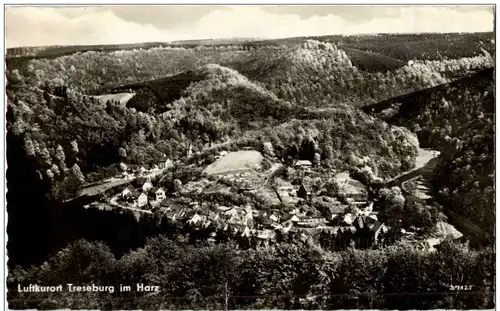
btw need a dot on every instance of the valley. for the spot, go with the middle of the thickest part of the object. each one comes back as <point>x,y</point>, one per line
<point>297,169</point>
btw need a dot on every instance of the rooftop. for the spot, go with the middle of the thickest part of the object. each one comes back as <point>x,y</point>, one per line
<point>303,163</point>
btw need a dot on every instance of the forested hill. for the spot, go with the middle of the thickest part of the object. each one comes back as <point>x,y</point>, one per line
<point>218,94</point>
<point>410,104</point>
<point>308,72</point>
<point>322,74</point>
<point>75,138</point>
<point>458,119</point>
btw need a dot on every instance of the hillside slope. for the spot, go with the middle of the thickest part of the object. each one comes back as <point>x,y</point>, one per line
<point>320,74</point>
<point>458,119</point>
<point>441,111</point>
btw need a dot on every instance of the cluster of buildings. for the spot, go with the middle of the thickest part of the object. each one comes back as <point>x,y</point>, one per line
<point>335,217</point>
<point>148,196</point>
<point>248,222</point>
<point>129,173</point>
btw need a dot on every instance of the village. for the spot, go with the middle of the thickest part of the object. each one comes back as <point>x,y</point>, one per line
<point>292,208</point>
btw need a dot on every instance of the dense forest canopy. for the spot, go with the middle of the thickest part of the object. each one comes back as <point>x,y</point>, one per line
<point>457,119</point>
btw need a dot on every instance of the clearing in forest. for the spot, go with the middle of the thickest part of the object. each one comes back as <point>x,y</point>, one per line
<point>123,98</point>
<point>235,161</point>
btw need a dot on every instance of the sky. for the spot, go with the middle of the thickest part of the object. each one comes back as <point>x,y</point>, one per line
<point>36,26</point>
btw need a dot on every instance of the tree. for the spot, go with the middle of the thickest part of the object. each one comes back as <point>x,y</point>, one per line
<point>15,77</point>
<point>50,174</point>
<point>317,159</point>
<point>63,166</point>
<point>122,152</point>
<point>55,169</point>
<point>28,146</point>
<point>77,173</point>
<point>123,166</point>
<point>60,153</point>
<point>74,146</point>
<point>177,185</point>
<point>268,149</point>
<point>44,154</point>
<point>225,270</point>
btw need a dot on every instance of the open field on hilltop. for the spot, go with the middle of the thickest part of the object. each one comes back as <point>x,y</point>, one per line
<point>123,98</point>
<point>235,161</point>
<point>424,156</point>
<point>100,188</point>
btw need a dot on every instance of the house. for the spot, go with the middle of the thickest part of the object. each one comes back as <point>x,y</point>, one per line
<point>168,164</point>
<point>231,212</point>
<point>365,221</point>
<point>206,223</point>
<point>155,169</point>
<point>335,210</point>
<point>304,192</point>
<point>213,216</point>
<point>352,188</point>
<point>194,204</point>
<point>127,191</point>
<point>288,220</point>
<point>348,219</point>
<point>274,217</point>
<point>248,209</point>
<point>142,170</point>
<point>310,221</point>
<point>195,219</point>
<point>244,231</point>
<point>295,211</point>
<point>369,208</point>
<point>265,234</point>
<point>373,216</point>
<point>302,163</point>
<point>154,203</point>
<point>235,219</point>
<point>224,208</point>
<point>204,212</point>
<point>442,230</point>
<point>188,214</point>
<point>135,194</point>
<point>290,217</point>
<point>248,217</point>
<point>147,186</point>
<point>357,204</point>
<point>179,213</point>
<point>142,200</point>
<point>286,191</point>
<point>264,222</point>
<point>159,193</point>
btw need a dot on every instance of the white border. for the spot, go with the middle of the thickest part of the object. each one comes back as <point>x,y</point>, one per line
<point>3,217</point>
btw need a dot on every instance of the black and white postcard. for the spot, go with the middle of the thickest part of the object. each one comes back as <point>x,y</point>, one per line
<point>229,157</point>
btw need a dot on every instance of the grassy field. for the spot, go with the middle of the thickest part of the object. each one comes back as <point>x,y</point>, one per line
<point>235,161</point>
<point>424,156</point>
<point>123,98</point>
<point>100,188</point>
